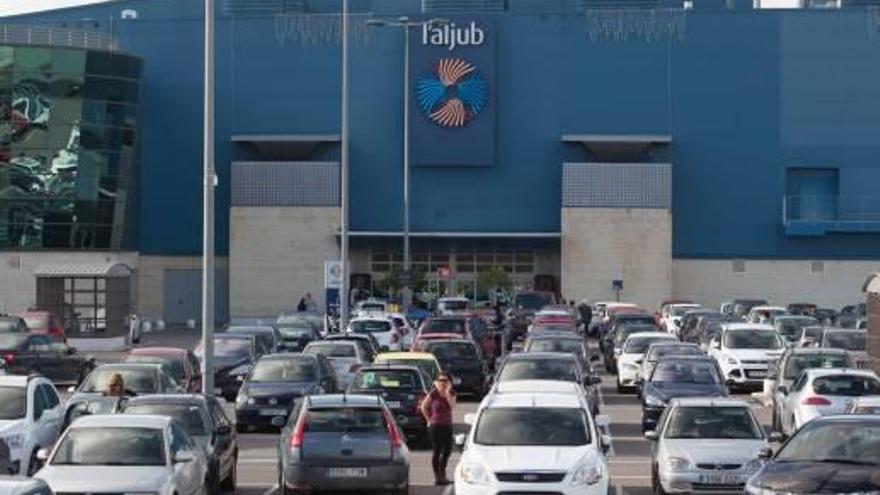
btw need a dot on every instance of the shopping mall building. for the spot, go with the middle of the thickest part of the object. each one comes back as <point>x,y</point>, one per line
<point>703,149</point>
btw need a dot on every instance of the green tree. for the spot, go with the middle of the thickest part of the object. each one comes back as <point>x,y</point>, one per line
<point>493,278</point>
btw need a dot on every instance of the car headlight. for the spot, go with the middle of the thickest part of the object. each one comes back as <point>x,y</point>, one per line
<point>654,401</point>
<point>14,441</point>
<point>732,360</point>
<point>474,474</point>
<point>588,474</point>
<point>753,465</point>
<point>677,464</point>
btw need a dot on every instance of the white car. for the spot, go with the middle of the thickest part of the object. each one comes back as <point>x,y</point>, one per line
<point>670,317</point>
<point>706,445</point>
<point>126,453</point>
<point>864,405</point>
<point>822,392</point>
<point>744,352</point>
<point>369,306</point>
<point>629,361</point>
<point>380,327</point>
<point>407,332</point>
<point>532,442</point>
<point>447,306</point>
<point>31,416</point>
<point>765,314</point>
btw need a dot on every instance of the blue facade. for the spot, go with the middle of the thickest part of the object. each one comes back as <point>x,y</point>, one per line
<point>745,95</point>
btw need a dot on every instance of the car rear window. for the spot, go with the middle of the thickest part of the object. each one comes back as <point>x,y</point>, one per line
<point>444,326</point>
<point>452,351</point>
<point>170,364</point>
<point>550,345</point>
<point>846,385</point>
<point>36,321</point>
<point>139,381</point>
<point>850,341</point>
<point>752,339</point>
<point>702,373</point>
<point>640,345</point>
<point>658,352</point>
<point>386,380</point>
<point>189,416</point>
<point>370,326</point>
<point>539,369</point>
<point>340,350</point>
<point>345,420</point>
<point>285,370</point>
<point>798,363</point>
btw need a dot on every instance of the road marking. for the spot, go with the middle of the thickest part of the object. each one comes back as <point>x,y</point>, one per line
<point>620,460</point>
<point>627,438</point>
<point>637,477</point>
<point>605,429</point>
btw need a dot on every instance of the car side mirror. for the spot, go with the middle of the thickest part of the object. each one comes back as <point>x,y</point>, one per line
<point>651,435</point>
<point>775,437</point>
<point>184,456</point>
<point>765,453</point>
<point>224,430</point>
<point>459,441</point>
<point>782,389</point>
<point>605,441</point>
<point>43,455</point>
<point>602,420</point>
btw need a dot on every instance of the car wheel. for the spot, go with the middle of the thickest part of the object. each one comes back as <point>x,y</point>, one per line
<point>231,481</point>
<point>656,487</point>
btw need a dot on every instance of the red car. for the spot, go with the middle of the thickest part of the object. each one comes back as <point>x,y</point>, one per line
<point>180,364</point>
<point>422,338</point>
<point>44,323</point>
<point>468,325</point>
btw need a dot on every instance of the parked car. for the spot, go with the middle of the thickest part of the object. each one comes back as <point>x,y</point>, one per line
<point>345,357</point>
<point>25,353</point>
<point>425,361</point>
<point>810,336</point>
<point>296,333</point>
<point>543,442</point>
<point>822,392</point>
<point>138,378</point>
<point>342,442</point>
<point>205,421</point>
<point>277,381</point>
<point>849,316</point>
<point>22,485</point>
<point>864,405</point>
<point>44,323</point>
<point>803,309</point>
<point>660,350</point>
<point>380,327</point>
<point>706,328</point>
<point>234,358</point>
<point>561,343</point>
<point>462,359</point>
<point>629,358</point>
<point>91,405</point>
<point>830,455</point>
<point>452,305</point>
<point>765,314</point>
<point>123,453</point>
<point>13,324</point>
<point>179,363</point>
<point>676,377</point>
<point>556,366</point>
<point>671,315</point>
<point>706,445</point>
<point>744,352</point>
<point>782,373</point>
<point>469,326</point>
<point>366,342</point>
<point>612,341</point>
<point>789,326</point>
<point>854,341</point>
<point>403,388</point>
<point>741,307</point>
<point>522,309</point>
<point>691,319</point>
<point>404,328</point>
<point>30,419</point>
<point>269,339</point>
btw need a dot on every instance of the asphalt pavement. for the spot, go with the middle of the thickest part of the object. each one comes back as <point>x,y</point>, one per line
<point>629,457</point>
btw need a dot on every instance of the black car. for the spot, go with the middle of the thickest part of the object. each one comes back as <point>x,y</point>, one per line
<point>25,353</point>
<point>234,357</point>
<point>556,366</point>
<point>268,338</point>
<point>690,320</point>
<point>660,350</point>
<point>613,341</point>
<point>707,324</point>
<point>561,343</point>
<point>629,318</point>
<point>831,454</point>
<point>268,393</point>
<point>296,335</point>
<point>13,324</point>
<point>462,359</point>
<point>676,377</point>
<point>206,423</point>
<point>403,388</point>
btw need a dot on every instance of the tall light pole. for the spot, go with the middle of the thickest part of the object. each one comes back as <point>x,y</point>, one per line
<point>405,24</point>
<point>210,180</point>
<point>343,176</point>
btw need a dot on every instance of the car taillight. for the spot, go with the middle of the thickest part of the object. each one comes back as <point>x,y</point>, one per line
<point>9,358</point>
<point>816,401</point>
<point>299,430</point>
<point>393,434</point>
<point>353,368</point>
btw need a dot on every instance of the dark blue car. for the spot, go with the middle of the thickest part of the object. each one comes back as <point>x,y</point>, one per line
<point>676,377</point>
<point>277,381</point>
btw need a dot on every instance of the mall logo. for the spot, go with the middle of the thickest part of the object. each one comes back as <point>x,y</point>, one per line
<point>452,36</point>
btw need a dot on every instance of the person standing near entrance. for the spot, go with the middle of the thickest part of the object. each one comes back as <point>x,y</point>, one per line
<point>437,410</point>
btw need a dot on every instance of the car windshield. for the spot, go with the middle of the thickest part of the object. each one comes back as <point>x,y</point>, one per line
<point>702,373</point>
<point>139,381</point>
<point>332,349</point>
<point>532,426</point>
<point>228,347</point>
<point>370,326</point>
<point>386,380</point>
<point>12,340</point>
<point>114,446</point>
<point>170,364</point>
<point>454,305</point>
<point>820,441</point>
<point>850,341</point>
<point>556,345</point>
<point>624,332</point>
<point>452,351</point>
<point>428,366</point>
<point>639,345</point>
<point>799,362</point>
<point>345,420</point>
<point>440,325</point>
<point>846,385</point>
<point>752,339</point>
<point>189,416</point>
<point>285,370</point>
<point>707,422</point>
<point>538,369</point>
<point>13,403</point>
<point>532,300</point>
<point>656,352</point>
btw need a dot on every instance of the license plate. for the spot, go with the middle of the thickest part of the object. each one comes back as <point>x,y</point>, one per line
<point>456,381</point>
<point>273,412</point>
<point>393,404</point>
<point>721,479</point>
<point>757,374</point>
<point>347,472</point>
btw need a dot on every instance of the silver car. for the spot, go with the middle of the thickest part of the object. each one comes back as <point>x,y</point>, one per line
<point>342,442</point>
<point>346,357</point>
<point>124,453</point>
<point>705,445</point>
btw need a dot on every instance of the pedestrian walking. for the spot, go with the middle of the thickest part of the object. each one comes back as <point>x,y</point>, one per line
<point>437,409</point>
<point>586,313</point>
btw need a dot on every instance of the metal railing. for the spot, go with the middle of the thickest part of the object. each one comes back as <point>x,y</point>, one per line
<point>837,209</point>
<point>21,34</point>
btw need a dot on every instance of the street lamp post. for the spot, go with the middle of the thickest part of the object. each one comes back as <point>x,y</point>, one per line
<point>405,24</point>
<point>209,183</point>
<point>343,177</point>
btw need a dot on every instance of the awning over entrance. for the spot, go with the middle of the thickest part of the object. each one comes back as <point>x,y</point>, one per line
<point>609,146</point>
<point>284,146</point>
<point>83,270</point>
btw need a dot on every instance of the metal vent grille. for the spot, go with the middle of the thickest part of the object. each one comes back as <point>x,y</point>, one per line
<point>817,267</point>
<point>285,184</point>
<point>463,6</point>
<point>739,266</point>
<point>617,185</point>
<point>255,8</point>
